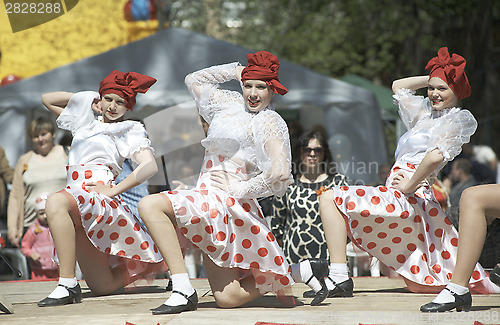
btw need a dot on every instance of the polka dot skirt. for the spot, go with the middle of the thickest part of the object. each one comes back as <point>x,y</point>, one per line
<point>110,225</point>
<point>232,232</point>
<point>409,233</point>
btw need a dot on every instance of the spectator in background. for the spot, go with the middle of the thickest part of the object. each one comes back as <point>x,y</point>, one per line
<point>485,155</point>
<point>6,176</point>
<point>461,178</point>
<point>295,222</point>
<point>481,172</point>
<point>40,170</point>
<point>38,246</point>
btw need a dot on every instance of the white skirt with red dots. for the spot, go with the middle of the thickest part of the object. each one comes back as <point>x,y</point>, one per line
<point>232,232</point>
<point>110,225</point>
<point>409,233</point>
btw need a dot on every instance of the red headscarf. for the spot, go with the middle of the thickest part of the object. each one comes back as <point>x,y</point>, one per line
<point>126,85</point>
<point>264,66</point>
<point>450,70</point>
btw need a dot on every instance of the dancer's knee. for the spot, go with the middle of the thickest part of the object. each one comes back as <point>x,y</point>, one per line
<point>326,199</point>
<point>470,198</point>
<point>56,203</point>
<point>327,207</point>
<point>149,204</point>
<point>226,299</point>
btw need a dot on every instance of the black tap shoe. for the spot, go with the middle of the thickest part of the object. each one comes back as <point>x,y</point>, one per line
<point>495,275</point>
<point>319,271</point>
<point>342,289</point>
<point>462,302</point>
<point>191,305</point>
<point>75,296</point>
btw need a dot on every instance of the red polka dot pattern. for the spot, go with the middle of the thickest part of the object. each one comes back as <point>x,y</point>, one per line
<point>405,232</point>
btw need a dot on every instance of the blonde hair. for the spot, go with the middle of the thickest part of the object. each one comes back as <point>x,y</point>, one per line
<point>40,125</point>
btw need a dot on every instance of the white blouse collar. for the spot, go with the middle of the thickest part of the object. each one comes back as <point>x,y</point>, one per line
<point>443,112</point>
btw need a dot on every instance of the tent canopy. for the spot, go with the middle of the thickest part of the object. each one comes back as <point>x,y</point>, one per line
<point>383,95</point>
<point>350,114</point>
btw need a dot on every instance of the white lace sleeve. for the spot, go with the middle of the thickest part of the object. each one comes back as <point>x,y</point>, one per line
<point>204,87</point>
<point>452,131</point>
<point>132,140</point>
<point>411,107</point>
<point>78,112</point>
<point>273,157</point>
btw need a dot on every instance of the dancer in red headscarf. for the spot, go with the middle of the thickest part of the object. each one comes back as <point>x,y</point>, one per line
<point>247,156</point>
<point>89,222</point>
<point>401,223</point>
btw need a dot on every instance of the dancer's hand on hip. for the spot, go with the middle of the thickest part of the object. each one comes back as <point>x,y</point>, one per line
<point>220,179</point>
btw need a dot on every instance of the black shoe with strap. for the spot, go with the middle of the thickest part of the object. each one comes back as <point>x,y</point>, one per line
<point>495,275</point>
<point>319,269</point>
<point>462,302</point>
<point>75,296</point>
<point>192,304</point>
<point>342,289</point>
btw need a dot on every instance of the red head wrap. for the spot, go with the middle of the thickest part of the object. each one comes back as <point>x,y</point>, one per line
<point>264,66</point>
<point>450,70</point>
<point>126,85</point>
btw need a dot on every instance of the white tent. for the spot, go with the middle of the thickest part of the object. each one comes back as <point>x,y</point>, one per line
<point>350,114</point>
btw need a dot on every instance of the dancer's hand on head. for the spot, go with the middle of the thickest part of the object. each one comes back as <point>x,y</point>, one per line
<point>239,69</point>
<point>105,189</point>
<point>220,179</point>
<point>96,105</point>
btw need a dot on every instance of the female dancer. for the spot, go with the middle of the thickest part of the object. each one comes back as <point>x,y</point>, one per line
<point>247,156</point>
<point>401,223</point>
<point>88,220</point>
<point>475,203</point>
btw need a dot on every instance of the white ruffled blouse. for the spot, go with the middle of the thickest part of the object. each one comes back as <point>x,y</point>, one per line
<point>260,141</point>
<point>429,129</point>
<point>95,142</point>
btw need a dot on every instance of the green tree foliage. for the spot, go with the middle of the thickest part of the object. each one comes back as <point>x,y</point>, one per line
<point>379,40</point>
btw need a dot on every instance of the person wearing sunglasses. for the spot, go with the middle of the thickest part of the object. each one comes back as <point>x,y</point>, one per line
<point>295,221</point>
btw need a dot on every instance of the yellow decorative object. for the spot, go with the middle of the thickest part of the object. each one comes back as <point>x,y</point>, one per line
<point>90,28</point>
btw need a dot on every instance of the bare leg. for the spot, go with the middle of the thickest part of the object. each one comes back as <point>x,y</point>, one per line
<point>334,227</point>
<point>229,290</point>
<point>475,203</point>
<point>71,242</point>
<point>94,264</point>
<point>63,233</point>
<point>157,213</point>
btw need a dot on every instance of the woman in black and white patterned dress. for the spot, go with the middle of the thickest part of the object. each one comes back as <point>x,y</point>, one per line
<point>295,220</point>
